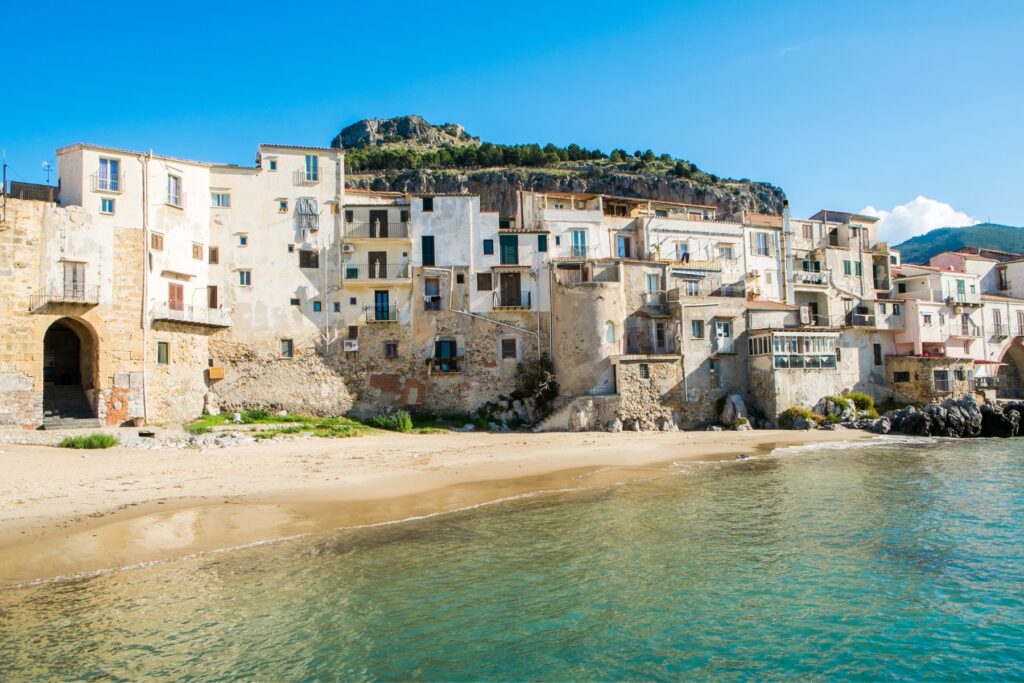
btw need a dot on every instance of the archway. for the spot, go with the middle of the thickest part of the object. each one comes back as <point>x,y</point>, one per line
<point>69,367</point>
<point>1011,373</point>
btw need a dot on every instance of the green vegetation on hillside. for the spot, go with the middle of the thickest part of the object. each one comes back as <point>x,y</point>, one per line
<point>987,235</point>
<point>490,155</point>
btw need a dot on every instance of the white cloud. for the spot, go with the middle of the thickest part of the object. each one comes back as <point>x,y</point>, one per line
<point>917,217</point>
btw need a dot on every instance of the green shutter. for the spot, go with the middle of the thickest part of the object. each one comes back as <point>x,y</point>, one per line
<point>427,242</point>
<point>509,245</point>
<point>542,242</point>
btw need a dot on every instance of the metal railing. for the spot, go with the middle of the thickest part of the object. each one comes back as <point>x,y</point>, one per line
<point>376,230</point>
<point>721,344</point>
<point>194,315</point>
<point>1000,330</point>
<point>68,294</point>
<point>381,314</point>
<point>176,200</point>
<point>445,365</point>
<point>432,302</point>
<point>650,348</point>
<point>511,299</point>
<point>811,277</point>
<point>860,320</point>
<point>376,271</point>
<point>304,177</point>
<point>105,184</point>
<point>965,330</point>
<point>580,251</point>
<point>883,284</point>
<point>987,383</point>
<point>694,264</point>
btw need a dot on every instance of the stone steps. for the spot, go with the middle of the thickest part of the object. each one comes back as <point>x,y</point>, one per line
<point>66,407</point>
<point>71,423</point>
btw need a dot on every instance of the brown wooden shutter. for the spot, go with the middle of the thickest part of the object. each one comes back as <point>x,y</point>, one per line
<point>175,296</point>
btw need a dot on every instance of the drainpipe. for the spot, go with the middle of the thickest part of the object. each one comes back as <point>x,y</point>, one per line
<point>788,266</point>
<point>144,160</point>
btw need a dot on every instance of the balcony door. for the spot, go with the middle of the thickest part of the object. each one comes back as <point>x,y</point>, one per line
<point>579,243</point>
<point>723,336</point>
<point>74,280</point>
<point>378,264</point>
<point>175,296</point>
<point>509,245</point>
<point>212,300</point>
<point>378,223</point>
<point>509,284</point>
<point>381,305</point>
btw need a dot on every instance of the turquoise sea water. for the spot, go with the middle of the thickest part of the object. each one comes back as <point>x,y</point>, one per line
<point>869,563</point>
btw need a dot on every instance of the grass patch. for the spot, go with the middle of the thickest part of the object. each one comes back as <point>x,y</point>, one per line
<point>319,426</point>
<point>861,401</point>
<point>400,421</point>
<point>95,440</point>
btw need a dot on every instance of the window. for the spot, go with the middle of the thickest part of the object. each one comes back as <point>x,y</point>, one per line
<point>609,332</point>
<point>622,245</point>
<point>877,348</point>
<point>317,307</point>
<point>427,247</point>
<point>897,309</point>
<point>291,248</point>
<point>892,260</point>
<point>243,240</point>
<point>282,206</point>
<point>176,296</point>
<point>337,307</point>
<point>391,350</point>
<point>272,165</point>
<point>927,319</point>
<point>106,205</point>
<point>847,268</point>
<point>508,349</point>
<point>858,268</point>
<point>558,240</point>
<point>294,301</point>
<point>245,278</point>
<point>960,375</point>
<point>579,243</point>
<point>883,309</point>
<point>807,232</point>
<point>351,301</point>
<point>901,287</point>
<point>156,242</point>
<point>1004,283</point>
<point>692,288</point>
<point>350,215</point>
<point>760,244</point>
<point>312,167</point>
<point>941,380</point>
<point>901,376</point>
<point>163,353</point>
<point>645,371</point>
<point>460,278</point>
<point>697,329</point>
<point>484,282</point>
<point>308,259</point>
<point>197,251</point>
<point>109,175</point>
<point>353,332</point>
<point>174,195</point>
<point>542,243</point>
<point>213,254</point>
<point>725,253</point>
<point>488,247</point>
<point>428,204</point>
<point>220,200</point>
<point>287,348</point>
<point>445,356</point>
<point>659,337</point>
<point>713,381</point>
<point>767,277</point>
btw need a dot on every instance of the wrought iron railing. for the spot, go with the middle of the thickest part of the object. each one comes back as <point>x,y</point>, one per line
<point>195,315</point>
<point>107,184</point>
<point>376,230</point>
<point>376,271</point>
<point>306,177</point>
<point>512,299</point>
<point>68,294</point>
<point>381,314</point>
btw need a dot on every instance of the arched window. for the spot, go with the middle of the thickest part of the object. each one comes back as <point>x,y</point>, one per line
<point>609,332</point>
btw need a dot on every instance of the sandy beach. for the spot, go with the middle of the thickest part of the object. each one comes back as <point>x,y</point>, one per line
<point>65,513</point>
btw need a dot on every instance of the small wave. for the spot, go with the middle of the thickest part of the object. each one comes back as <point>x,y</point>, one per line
<point>891,440</point>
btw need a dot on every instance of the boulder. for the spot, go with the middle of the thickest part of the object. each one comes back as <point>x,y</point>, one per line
<point>614,425</point>
<point>803,424</point>
<point>995,422</point>
<point>210,404</point>
<point>712,428</point>
<point>734,409</point>
<point>833,427</point>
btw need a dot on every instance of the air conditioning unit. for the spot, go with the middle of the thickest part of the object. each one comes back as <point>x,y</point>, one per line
<point>805,315</point>
<point>348,248</point>
<point>351,344</point>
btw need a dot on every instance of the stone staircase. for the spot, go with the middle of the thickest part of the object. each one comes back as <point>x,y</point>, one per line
<point>66,407</point>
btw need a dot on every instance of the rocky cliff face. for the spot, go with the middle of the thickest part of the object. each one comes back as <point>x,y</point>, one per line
<point>497,188</point>
<point>410,129</point>
<point>650,178</point>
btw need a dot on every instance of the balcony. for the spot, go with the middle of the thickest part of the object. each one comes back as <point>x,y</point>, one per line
<point>102,183</point>
<point>1000,330</point>
<point>656,304</point>
<point>860,320</point>
<point>381,314</point>
<point>582,251</point>
<point>650,348</point>
<point>304,177</point>
<point>703,266</point>
<point>432,302</point>
<point>512,299</point>
<point>73,294</point>
<point>445,366</point>
<point>964,331</point>
<point>376,231</point>
<point>201,316</point>
<point>882,284</point>
<point>956,298</point>
<point>987,383</point>
<point>376,271</point>
<point>811,277</point>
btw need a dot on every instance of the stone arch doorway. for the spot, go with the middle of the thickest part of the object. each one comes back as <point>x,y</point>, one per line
<point>69,372</point>
<point>1011,373</point>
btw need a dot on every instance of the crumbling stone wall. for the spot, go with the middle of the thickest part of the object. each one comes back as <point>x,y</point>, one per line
<point>177,389</point>
<point>921,387</point>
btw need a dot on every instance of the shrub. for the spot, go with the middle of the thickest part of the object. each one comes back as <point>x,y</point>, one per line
<point>96,440</point>
<point>537,385</point>
<point>251,416</point>
<point>861,400</point>
<point>789,416</point>
<point>399,421</point>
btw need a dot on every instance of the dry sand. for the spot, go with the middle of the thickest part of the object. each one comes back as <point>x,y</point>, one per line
<point>65,513</point>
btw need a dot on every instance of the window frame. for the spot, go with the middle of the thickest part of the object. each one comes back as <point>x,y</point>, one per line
<point>177,198</point>
<point>104,202</point>
<point>504,349</point>
<point>213,255</point>
<point>156,241</point>
<point>163,353</point>
<point>220,200</point>
<point>245,277</point>
<point>287,349</point>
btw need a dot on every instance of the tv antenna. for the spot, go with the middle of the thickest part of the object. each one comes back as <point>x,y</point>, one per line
<point>47,168</point>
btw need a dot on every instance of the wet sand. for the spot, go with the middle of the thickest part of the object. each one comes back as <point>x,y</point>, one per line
<point>66,513</point>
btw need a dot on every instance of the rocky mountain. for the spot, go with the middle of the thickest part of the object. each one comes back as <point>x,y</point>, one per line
<point>409,154</point>
<point>921,248</point>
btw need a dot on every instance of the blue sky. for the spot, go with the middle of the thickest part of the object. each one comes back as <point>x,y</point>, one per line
<point>844,105</point>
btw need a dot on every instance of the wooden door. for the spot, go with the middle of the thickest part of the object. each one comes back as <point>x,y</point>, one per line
<point>378,264</point>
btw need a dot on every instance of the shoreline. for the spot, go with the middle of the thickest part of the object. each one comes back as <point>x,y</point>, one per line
<point>71,513</point>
